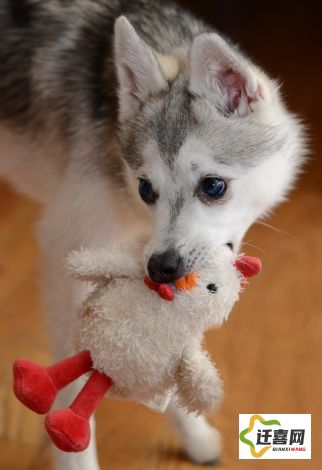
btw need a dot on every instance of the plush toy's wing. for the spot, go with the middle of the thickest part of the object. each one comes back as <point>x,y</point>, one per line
<point>100,265</point>
<point>199,386</point>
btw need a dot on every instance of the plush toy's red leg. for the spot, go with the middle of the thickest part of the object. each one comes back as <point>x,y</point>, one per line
<point>36,386</point>
<point>69,428</point>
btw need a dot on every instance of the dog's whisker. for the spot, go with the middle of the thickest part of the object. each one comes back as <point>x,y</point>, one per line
<point>276,229</point>
<point>254,246</point>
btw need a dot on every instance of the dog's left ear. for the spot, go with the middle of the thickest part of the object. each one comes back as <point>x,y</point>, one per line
<point>138,71</point>
<point>221,74</point>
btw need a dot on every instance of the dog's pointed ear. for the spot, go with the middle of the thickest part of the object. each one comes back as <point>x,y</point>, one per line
<point>221,74</point>
<point>138,72</point>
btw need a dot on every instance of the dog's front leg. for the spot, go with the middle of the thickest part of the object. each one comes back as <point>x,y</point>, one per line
<point>200,441</point>
<point>86,460</point>
<point>83,212</point>
<point>61,296</point>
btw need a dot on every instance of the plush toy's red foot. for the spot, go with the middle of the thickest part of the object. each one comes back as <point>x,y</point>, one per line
<point>36,386</point>
<point>69,428</point>
<point>69,431</point>
<point>33,386</point>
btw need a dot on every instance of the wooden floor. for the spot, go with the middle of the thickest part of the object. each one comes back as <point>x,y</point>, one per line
<point>270,351</point>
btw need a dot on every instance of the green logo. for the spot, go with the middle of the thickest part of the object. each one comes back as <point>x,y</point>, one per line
<point>246,441</point>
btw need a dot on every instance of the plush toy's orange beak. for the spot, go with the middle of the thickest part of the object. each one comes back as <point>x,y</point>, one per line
<point>186,283</point>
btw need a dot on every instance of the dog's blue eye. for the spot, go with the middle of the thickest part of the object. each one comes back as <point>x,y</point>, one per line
<point>146,191</point>
<point>212,188</point>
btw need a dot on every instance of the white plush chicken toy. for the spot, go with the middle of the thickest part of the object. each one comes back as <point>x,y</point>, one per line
<point>140,339</point>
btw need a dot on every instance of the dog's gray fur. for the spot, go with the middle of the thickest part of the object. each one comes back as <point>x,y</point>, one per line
<point>66,77</point>
<point>64,52</point>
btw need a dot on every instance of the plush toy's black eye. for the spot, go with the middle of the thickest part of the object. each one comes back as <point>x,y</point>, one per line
<point>212,288</point>
<point>211,188</point>
<point>146,191</point>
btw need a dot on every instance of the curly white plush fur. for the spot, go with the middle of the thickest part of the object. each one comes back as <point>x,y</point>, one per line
<point>147,345</point>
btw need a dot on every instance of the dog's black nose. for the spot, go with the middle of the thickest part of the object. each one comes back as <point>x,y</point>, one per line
<point>165,267</point>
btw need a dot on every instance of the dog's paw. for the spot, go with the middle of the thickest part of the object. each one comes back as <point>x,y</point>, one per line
<point>202,444</point>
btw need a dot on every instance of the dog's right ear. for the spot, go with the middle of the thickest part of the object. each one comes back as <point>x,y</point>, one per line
<point>138,71</point>
<point>221,74</point>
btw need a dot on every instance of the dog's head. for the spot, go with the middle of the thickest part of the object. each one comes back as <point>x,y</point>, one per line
<point>207,143</point>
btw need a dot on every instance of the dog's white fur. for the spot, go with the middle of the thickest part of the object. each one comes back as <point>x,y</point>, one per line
<point>81,207</point>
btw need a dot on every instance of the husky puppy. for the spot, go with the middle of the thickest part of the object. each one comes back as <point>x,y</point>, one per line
<point>135,120</point>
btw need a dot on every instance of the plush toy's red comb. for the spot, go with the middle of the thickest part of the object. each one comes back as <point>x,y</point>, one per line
<point>248,266</point>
